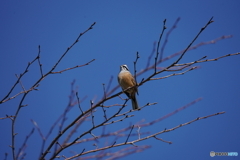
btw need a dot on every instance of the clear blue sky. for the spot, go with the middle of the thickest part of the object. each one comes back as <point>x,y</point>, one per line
<point>123,28</point>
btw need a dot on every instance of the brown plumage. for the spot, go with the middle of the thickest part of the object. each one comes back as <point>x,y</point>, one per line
<point>126,80</point>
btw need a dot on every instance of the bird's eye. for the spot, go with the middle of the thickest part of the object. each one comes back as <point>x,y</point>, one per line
<point>125,67</point>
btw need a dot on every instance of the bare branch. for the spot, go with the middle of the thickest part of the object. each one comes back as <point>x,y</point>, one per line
<point>33,86</point>
<point>59,145</point>
<point>127,116</point>
<point>38,128</point>
<point>151,55</point>
<point>21,84</point>
<point>127,151</point>
<point>181,125</point>
<point>147,137</point>
<point>172,113</point>
<point>65,133</point>
<point>135,67</point>
<point>208,60</point>
<point>74,130</point>
<point>73,67</point>
<point>10,117</point>
<point>38,58</point>
<point>169,142</point>
<point>80,35</point>
<point>160,38</point>
<point>79,103</point>
<point>179,53</point>
<point>83,134</point>
<point>175,74</point>
<point>166,38</point>
<point>21,75</point>
<point>129,134</point>
<point>202,29</point>
<point>138,131</point>
<point>6,155</point>
<point>91,105</point>
<point>21,149</point>
<point>172,56</point>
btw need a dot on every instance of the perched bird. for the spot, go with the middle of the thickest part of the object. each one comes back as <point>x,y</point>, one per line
<point>126,80</point>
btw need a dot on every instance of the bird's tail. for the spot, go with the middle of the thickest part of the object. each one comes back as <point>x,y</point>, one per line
<point>134,102</point>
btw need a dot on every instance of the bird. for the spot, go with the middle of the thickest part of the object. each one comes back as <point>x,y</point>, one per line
<point>126,80</point>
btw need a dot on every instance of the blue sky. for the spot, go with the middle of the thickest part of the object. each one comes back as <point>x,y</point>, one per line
<point>123,28</point>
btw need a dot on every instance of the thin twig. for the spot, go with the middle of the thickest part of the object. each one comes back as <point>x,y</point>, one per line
<point>39,63</point>
<point>169,142</point>
<point>175,74</point>
<point>208,60</point>
<point>114,143</point>
<point>67,109</point>
<point>104,112</point>
<point>7,117</point>
<point>24,90</point>
<point>125,113</point>
<point>151,54</point>
<point>160,38</point>
<point>201,30</point>
<point>79,103</point>
<point>172,56</point>
<point>104,91</point>
<point>20,76</point>
<point>73,67</point>
<point>135,66</point>
<point>79,36</point>
<point>119,120</point>
<point>144,138</point>
<point>74,130</point>
<point>138,131</point>
<point>82,151</point>
<point>49,133</point>
<point>117,134</point>
<point>109,84</point>
<point>33,86</point>
<point>59,144</point>
<point>129,134</point>
<point>24,143</point>
<point>38,129</point>
<point>91,105</point>
<point>166,38</point>
<point>6,155</point>
<point>172,113</point>
<point>87,132</point>
<point>181,125</point>
<point>155,69</point>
